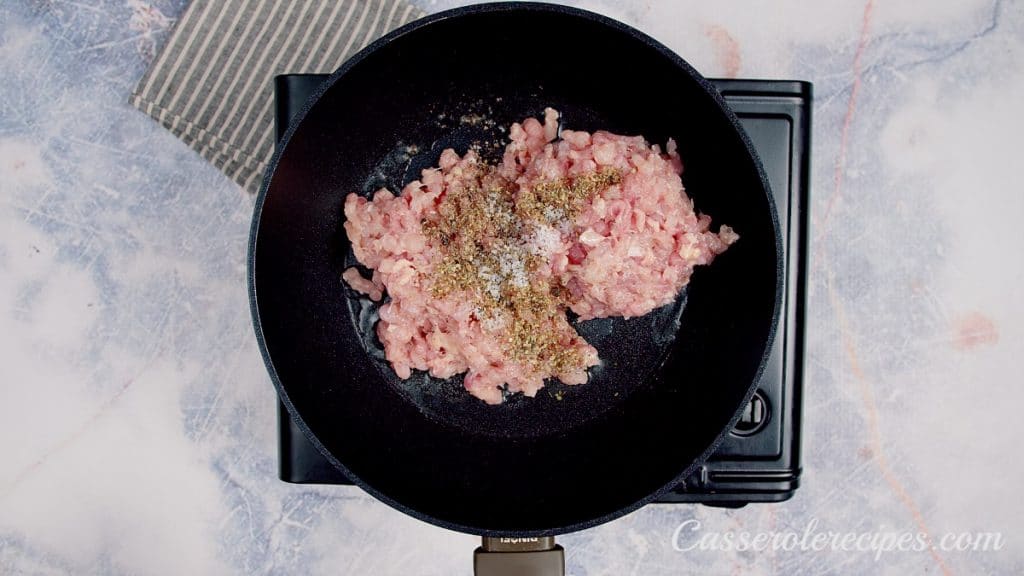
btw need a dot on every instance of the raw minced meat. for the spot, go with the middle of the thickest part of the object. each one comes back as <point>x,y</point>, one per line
<point>481,262</point>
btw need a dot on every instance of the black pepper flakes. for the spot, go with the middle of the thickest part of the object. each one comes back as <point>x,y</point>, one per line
<point>481,229</point>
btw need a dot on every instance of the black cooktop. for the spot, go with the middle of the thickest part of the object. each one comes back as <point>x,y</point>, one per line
<point>759,461</point>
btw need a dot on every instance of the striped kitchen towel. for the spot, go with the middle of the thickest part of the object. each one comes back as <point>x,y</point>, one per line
<point>212,83</point>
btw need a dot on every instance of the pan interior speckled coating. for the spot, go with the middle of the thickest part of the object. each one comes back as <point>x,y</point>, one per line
<point>671,383</point>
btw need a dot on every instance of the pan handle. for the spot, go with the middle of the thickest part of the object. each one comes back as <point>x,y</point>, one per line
<point>519,557</point>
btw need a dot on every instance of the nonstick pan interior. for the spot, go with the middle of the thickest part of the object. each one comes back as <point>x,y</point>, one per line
<point>671,382</point>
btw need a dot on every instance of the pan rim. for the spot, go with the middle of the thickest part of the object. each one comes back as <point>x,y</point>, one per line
<point>636,34</point>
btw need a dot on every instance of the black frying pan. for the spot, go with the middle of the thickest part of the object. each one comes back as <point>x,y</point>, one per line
<point>672,382</point>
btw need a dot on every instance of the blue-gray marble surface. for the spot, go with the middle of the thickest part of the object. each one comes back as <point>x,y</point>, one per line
<point>137,423</point>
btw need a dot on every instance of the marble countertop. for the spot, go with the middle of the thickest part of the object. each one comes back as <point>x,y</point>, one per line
<point>137,422</point>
